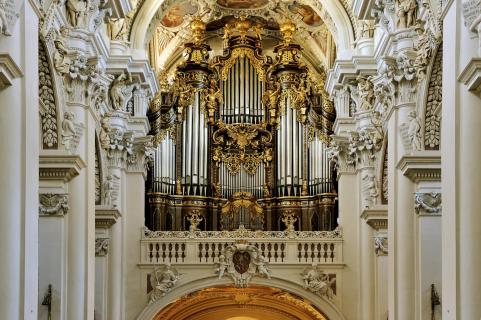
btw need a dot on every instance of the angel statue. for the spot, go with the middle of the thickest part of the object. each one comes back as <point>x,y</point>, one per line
<point>68,129</point>
<point>301,100</point>
<point>270,100</point>
<point>414,131</point>
<point>213,99</point>
<point>162,281</point>
<point>76,10</point>
<point>317,281</point>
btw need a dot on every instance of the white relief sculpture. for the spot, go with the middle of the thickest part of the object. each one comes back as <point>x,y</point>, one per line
<point>62,57</point>
<point>406,12</point>
<point>241,262</point>
<point>76,12</point>
<point>110,190</point>
<point>414,131</point>
<point>289,218</point>
<point>102,246</point>
<point>366,94</point>
<point>68,129</point>
<point>366,29</point>
<point>381,246</point>
<point>104,135</point>
<point>3,19</point>
<point>53,204</point>
<point>121,87</point>
<point>195,218</point>
<point>371,191</point>
<point>162,279</point>
<point>318,281</point>
<point>117,29</point>
<point>427,202</point>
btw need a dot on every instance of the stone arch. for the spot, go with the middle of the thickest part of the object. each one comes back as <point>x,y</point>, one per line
<point>322,304</point>
<point>432,104</point>
<point>49,121</point>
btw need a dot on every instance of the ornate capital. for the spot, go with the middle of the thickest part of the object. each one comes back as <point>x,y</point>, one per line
<point>101,246</point>
<point>51,204</point>
<point>381,245</point>
<point>427,203</point>
<point>142,154</point>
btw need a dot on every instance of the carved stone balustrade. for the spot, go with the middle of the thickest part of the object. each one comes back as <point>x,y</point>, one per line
<point>277,247</point>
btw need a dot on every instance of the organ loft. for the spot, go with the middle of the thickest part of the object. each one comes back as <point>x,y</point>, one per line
<point>240,137</point>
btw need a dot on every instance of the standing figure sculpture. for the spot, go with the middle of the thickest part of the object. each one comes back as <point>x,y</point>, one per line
<point>117,96</point>
<point>76,10</point>
<point>68,129</point>
<point>406,12</point>
<point>414,131</point>
<point>318,282</point>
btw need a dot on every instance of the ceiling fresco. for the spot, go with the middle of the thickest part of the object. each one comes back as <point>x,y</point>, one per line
<point>174,17</point>
<point>309,16</point>
<point>242,4</point>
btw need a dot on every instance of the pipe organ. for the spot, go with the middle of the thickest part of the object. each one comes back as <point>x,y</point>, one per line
<point>241,137</point>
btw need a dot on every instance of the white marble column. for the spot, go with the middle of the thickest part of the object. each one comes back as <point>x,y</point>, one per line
<point>461,154</point>
<point>81,224</point>
<point>400,223</point>
<point>19,152</point>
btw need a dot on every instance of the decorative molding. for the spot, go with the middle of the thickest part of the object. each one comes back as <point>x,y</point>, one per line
<point>51,204</point>
<point>423,166</point>
<point>242,234</point>
<point>102,247</point>
<point>471,76</point>
<point>9,71</point>
<point>241,262</point>
<point>427,203</point>
<point>105,217</point>
<point>48,103</point>
<point>376,217</point>
<point>60,167</point>
<point>381,245</point>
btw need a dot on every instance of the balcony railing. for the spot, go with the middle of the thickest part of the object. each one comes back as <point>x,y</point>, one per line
<point>278,247</point>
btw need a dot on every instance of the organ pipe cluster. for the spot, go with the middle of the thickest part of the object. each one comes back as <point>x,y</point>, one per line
<point>241,124</point>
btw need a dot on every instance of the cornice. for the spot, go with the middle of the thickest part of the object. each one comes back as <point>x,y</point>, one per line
<point>60,167</point>
<point>422,166</point>
<point>471,75</point>
<point>105,217</point>
<point>9,70</point>
<point>345,71</point>
<point>376,217</point>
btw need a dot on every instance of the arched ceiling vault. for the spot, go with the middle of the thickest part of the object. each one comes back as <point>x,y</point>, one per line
<point>318,23</point>
<point>227,303</point>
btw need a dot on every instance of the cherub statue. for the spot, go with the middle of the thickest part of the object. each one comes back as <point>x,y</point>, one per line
<point>261,265</point>
<point>301,100</point>
<point>366,94</point>
<point>223,265</point>
<point>270,100</point>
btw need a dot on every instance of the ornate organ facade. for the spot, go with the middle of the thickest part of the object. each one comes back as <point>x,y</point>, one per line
<point>241,137</point>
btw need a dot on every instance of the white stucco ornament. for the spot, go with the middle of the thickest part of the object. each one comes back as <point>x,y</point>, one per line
<point>9,10</point>
<point>241,262</point>
<point>162,279</point>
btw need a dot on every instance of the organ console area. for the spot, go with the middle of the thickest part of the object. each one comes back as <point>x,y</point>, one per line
<point>241,137</point>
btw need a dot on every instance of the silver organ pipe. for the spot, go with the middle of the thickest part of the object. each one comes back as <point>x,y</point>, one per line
<point>164,171</point>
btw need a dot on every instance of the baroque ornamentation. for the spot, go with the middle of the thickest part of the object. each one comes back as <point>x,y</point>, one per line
<point>412,132</point>
<point>53,204</point>
<point>195,218</point>
<point>162,279</point>
<point>370,190</point>
<point>110,190</point>
<point>318,281</point>
<point>432,124</point>
<point>365,92</point>
<point>406,13</point>
<point>381,245</point>
<point>71,132</point>
<point>4,29</point>
<point>48,108</point>
<point>289,219</point>
<point>241,262</point>
<point>427,202</point>
<point>243,234</point>
<point>121,90</point>
<point>101,246</point>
